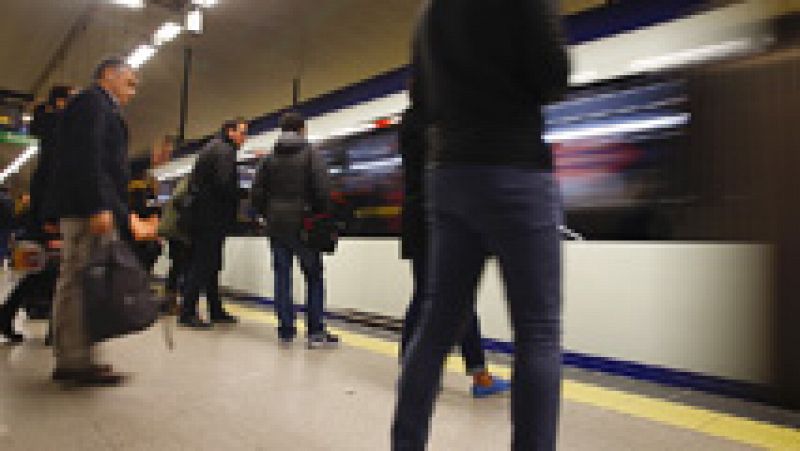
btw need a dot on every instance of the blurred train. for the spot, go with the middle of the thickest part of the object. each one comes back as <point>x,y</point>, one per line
<point>676,154</point>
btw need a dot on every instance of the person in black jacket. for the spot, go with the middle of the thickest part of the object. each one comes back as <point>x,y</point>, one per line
<point>44,126</point>
<point>88,192</point>
<point>415,248</point>
<point>292,185</point>
<point>36,227</point>
<point>215,187</point>
<point>484,70</point>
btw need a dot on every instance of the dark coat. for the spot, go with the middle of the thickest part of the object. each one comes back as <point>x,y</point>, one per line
<point>485,69</point>
<point>290,184</point>
<point>44,126</point>
<point>90,171</point>
<point>215,180</point>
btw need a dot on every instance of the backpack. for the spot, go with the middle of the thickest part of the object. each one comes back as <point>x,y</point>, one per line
<point>175,215</point>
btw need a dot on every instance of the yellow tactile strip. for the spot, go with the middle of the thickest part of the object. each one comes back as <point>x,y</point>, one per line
<point>741,430</point>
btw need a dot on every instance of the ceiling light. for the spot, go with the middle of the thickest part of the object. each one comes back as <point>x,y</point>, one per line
<point>138,4</point>
<point>204,3</point>
<point>140,56</point>
<point>194,21</point>
<point>166,33</point>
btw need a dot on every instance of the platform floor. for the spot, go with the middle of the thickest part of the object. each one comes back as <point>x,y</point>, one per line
<point>237,388</point>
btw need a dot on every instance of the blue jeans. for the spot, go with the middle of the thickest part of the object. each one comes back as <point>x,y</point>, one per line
<point>471,346</point>
<point>283,253</point>
<point>477,211</point>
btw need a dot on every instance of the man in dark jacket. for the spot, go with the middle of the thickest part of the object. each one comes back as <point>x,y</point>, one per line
<point>45,126</point>
<point>215,190</point>
<point>484,70</point>
<point>88,193</point>
<point>290,186</point>
<point>36,226</point>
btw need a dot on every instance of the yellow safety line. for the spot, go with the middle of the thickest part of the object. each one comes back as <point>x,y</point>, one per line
<point>729,427</point>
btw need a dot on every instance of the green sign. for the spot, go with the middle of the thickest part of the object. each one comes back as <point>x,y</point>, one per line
<point>16,138</point>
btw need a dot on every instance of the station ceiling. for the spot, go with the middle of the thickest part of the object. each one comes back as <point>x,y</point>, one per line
<point>244,62</point>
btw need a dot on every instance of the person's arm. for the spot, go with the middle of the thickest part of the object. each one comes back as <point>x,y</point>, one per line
<point>260,193</point>
<point>321,185</point>
<point>544,51</point>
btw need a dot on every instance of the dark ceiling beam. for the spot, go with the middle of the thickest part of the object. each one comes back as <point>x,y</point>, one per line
<point>61,53</point>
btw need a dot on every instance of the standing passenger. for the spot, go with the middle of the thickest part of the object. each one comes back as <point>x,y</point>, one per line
<point>89,192</point>
<point>215,185</point>
<point>484,70</point>
<point>290,185</point>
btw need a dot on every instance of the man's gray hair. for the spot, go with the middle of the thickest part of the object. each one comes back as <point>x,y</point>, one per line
<point>113,63</point>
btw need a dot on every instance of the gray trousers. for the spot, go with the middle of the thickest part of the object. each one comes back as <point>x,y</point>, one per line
<point>70,342</point>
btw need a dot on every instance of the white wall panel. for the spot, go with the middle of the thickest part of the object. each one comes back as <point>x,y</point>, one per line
<point>693,306</point>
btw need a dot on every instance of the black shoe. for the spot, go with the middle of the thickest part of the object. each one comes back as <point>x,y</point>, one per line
<point>224,318</point>
<point>12,336</point>
<point>194,322</point>
<point>62,374</point>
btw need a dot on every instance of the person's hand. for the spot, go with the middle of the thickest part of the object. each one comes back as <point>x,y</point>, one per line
<point>144,229</point>
<point>102,223</point>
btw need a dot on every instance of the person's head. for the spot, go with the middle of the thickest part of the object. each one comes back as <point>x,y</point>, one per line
<point>293,122</point>
<point>118,78</point>
<point>60,95</point>
<point>235,130</point>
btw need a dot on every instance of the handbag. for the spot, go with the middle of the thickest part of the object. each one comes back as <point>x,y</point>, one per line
<point>320,233</point>
<point>117,296</point>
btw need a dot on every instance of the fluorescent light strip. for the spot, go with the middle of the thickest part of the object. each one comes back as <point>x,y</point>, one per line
<point>617,129</point>
<point>15,165</point>
<point>166,33</point>
<point>194,21</point>
<point>141,55</point>
<point>204,3</point>
<point>135,4</point>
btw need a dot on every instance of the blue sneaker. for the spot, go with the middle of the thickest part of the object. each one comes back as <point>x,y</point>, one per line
<point>498,386</point>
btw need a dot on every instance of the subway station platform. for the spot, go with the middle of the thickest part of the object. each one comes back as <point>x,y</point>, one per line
<point>238,388</point>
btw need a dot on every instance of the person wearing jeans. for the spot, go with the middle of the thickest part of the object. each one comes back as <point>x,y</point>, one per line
<point>414,247</point>
<point>290,186</point>
<point>483,71</point>
<point>283,253</point>
<point>513,214</point>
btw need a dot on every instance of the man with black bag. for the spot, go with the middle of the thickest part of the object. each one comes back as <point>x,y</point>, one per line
<point>88,193</point>
<point>291,190</point>
<point>208,213</point>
